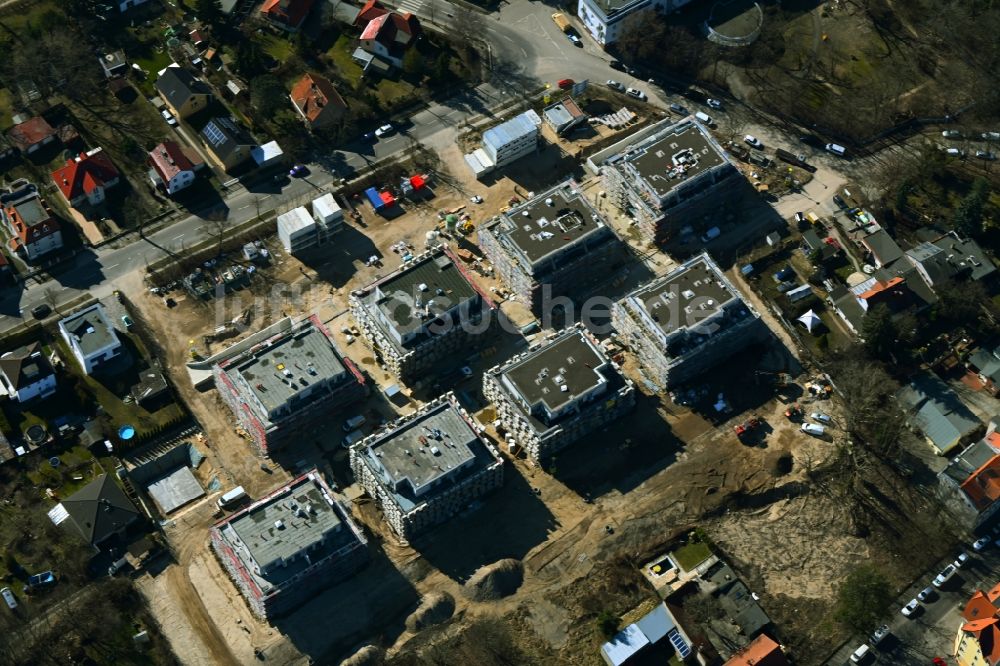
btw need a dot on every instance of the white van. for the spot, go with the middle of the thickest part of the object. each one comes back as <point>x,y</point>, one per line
<point>354,423</point>
<point>704,117</point>
<point>860,655</point>
<point>813,429</point>
<point>352,438</point>
<point>232,498</point>
<point>8,596</point>
<point>836,149</point>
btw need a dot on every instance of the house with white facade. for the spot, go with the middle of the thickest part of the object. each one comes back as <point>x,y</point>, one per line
<point>604,19</point>
<point>25,373</point>
<point>91,337</point>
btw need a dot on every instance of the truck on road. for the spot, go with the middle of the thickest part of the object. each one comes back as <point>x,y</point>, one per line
<point>562,22</point>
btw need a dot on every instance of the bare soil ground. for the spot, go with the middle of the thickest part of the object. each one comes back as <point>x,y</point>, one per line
<point>793,513</point>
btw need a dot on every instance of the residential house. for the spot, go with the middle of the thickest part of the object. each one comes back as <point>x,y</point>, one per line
<point>970,484</point>
<point>91,338</point>
<point>604,19</point>
<point>86,178</point>
<point>31,135</point>
<point>986,364</point>
<point>317,101</point>
<point>98,511</point>
<point>26,373</point>
<point>951,257</point>
<point>114,64</point>
<point>761,651</point>
<point>183,92</point>
<point>173,167</point>
<point>370,11</point>
<point>653,639</point>
<point>389,35</point>
<point>229,143</point>
<point>978,640</point>
<point>33,230</point>
<point>811,242</point>
<point>898,287</point>
<point>937,412</point>
<point>287,14</point>
<point>882,248</point>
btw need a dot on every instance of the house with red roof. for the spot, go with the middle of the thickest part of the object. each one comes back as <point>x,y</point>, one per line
<point>33,231</point>
<point>86,178</point>
<point>389,35</point>
<point>978,639</point>
<point>370,11</point>
<point>32,134</point>
<point>173,167</point>
<point>317,101</point>
<point>970,484</point>
<point>287,14</point>
<point>762,651</point>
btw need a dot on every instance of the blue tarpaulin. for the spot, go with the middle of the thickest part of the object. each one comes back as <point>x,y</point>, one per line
<point>374,198</point>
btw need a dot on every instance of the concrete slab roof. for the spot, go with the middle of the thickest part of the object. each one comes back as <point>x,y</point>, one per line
<point>421,451</point>
<point>277,372</point>
<point>675,154</point>
<point>174,490</point>
<point>91,329</point>
<point>434,285</point>
<point>686,296</point>
<point>554,220</point>
<point>286,525</point>
<point>558,372</point>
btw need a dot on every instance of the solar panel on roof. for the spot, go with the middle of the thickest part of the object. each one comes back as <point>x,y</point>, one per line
<point>214,134</point>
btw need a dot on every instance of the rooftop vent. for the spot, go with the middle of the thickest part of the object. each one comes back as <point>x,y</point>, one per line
<point>435,451</point>
<point>422,287</point>
<point>279,524</point>
<point>550,202</point>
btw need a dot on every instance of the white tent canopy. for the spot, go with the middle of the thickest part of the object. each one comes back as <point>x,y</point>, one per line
<point>809,320</point>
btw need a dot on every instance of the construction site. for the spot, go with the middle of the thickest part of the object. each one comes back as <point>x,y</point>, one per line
<point>548,517</point>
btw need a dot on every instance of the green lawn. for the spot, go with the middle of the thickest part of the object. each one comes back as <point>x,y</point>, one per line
<point>340,53</point>
<point>151,62</point>
<point>277,47</point>
<point>691,555</point>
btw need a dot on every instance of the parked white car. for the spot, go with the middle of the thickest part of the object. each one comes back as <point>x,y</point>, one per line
<point>169,117</point>
<point>910,608</point>
<point>945,575</point>
<point>615,85</point>
<point>813,429</point>
<point>821,417</point>
<point>638,94</point>
<point>753,141</point>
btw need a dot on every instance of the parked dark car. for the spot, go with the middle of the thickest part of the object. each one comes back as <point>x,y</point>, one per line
<point>617,64</point>
<point>41,311</point>
<point>839,201</point>
<point>812,140</point>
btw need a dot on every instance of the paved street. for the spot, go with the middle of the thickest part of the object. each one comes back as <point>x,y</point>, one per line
<point>932,632</point>
<point>527,51</point>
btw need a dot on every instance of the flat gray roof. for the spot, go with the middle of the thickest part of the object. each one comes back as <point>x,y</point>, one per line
<point>687,295</point>
<point>674,155</point>
<point>174,490</point>
<point>434,284</point>
<point>276,373</point>
<point>425,449</point>
<point>558,372</point>
<point>553,220</point>
<point>305,518</point>
<point>91,328</point>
